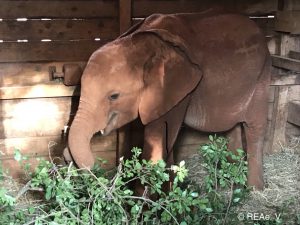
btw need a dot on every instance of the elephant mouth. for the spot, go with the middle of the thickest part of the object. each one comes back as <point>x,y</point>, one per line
<point>111,124</point>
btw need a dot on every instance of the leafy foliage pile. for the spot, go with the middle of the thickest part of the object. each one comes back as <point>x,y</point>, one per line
<point>82,196</point>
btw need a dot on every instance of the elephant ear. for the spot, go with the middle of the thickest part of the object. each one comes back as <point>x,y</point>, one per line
<point>168,78</point>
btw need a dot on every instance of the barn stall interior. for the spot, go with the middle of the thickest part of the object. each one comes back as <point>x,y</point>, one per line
<point>43,51</point>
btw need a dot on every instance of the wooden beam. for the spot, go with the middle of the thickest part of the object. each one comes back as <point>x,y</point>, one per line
<point>37,91</point>
<point>48,51</point>
<point>58,9</point>
<point>144,8</point>
<point>288,21</point>
<point>125,15</point>
<point>294,54</point>
<point>266,25</point>
<point>56,143</point>
<point>294,113</point>
<point>288,79</point>
<point>29,74</point>
<point>286,63</point>
<point>279,118</point>
<point>16,170</point>
<point>62,29</point>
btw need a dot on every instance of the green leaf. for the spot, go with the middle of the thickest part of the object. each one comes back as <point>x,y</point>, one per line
<point>17,155</point>
<point>194,194</point>
<point>235,200</point>
<point>209,210</point>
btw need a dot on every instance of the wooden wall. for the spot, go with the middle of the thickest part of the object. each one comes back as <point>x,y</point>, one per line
<point>34,36</point>
<point>38,34</point>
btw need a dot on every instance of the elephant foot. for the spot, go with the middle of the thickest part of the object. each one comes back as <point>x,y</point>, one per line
<point>256,182</point>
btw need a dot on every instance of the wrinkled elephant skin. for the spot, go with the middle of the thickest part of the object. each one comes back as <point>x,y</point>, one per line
<point>209,71</point>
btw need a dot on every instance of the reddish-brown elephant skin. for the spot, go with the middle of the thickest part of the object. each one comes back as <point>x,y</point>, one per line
<point>209,71</point>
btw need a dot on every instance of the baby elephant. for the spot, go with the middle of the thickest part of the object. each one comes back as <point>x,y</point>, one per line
<point>208,70</point>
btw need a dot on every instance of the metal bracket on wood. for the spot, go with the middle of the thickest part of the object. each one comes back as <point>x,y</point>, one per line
<point>71,74</point>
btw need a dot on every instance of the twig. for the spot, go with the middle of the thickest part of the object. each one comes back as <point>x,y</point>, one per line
<point>153,203</point>
<point>229,204</point>
<point>111,195</point>
<point>23,190</point>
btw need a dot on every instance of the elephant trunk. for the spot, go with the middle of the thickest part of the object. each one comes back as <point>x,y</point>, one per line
<point>80,135</point>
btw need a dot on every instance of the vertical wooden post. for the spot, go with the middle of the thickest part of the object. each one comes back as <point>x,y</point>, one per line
<point>124,15</point>
<point>124,23</point>
<point>280,114</point>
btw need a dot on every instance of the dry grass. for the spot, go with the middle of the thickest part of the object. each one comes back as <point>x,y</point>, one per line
<point>282,180</point>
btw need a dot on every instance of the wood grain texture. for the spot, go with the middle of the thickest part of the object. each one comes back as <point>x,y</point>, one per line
<point>15,169</point>
<point>286,79</point>
<point>53,145</point>
<point>58,9</point>
<point>59,29</point>
<point>38,91</point>
<point>286,63</point>
<point>35,117</point>
<point>143,8</point>
<point>288,21</point>
<point>266,25</point>
<point>28,74</point>
<point>295,54</point>
<point>48,51</point>
<point>279,116</point>
<point>125,14</point>
<point>294,112</point>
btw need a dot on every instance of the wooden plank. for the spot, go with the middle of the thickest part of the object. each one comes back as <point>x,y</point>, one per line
<point>143,8</point>
<point>286,63</point>
<point>58,9</point>
<point>59,29</point>
<point>289,43</point>
<point>32,124</point>
<point>271,94</point>
<point>288,21</point>
<point>41,146</point>
<point>15,169</point>
<point>291,5</point>
<point>273,44</point>
<point>268,139</point>
<point>48,51</point>
<point>279,120</point>
<point>38,91</point>
<point>66,106</point>
<point>33,146</point>
<point>28,74</point>
<point>270,111</point>
<point>266,25</point>
<point>294,93</point>
<point>125,15</point>
<point>294,112</point>
<point>256,8</point>
<point>35,117</point>
<point>294,54</point>
<point>287,79</point>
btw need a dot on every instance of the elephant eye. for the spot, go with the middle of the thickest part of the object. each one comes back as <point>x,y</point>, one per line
<point>114,96</point>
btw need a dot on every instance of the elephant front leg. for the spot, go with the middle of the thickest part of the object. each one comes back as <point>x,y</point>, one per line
<point>160,135</point>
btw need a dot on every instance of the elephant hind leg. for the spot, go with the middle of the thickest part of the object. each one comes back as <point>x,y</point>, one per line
<point>236,138</point>
<point>255,129</point>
